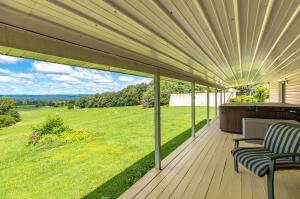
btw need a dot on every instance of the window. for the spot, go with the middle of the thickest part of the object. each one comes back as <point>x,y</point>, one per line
<point>282,92</point>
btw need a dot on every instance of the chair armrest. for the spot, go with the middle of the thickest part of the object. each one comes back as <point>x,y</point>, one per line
<point>236,145</point>
<point>282,155</point>
<point>243,139</point>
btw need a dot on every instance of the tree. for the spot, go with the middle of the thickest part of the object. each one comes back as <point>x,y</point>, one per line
<point>136,95</point>
<point>129,96</point>
<point>6,104</point>
<point>252,94</point>
<point>261,92</point>
<point>81,102</point>
<point>166,89</point>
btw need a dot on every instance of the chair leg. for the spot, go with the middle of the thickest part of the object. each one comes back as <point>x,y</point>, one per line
<point>236,166</point>
<point>271,181</point>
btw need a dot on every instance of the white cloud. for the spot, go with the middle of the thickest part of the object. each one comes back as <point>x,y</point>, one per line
<point>74,73</point>
<point>8,79</point>
<point>4,59</point>
<point>63,78</point>
<point>18,75</point>
<point>23,75</point>
<point>145,80</point>
<point>50,78</point>
<point>125,79</point>
<point>92,74</point>
<point>51,68</point>
<point>5,71</point>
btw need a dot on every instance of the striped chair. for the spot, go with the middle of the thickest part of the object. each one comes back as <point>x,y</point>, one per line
<point>280,150</point>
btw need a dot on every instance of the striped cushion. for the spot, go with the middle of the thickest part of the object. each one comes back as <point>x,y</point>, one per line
<point>283,138</point>
<point>253,158</point>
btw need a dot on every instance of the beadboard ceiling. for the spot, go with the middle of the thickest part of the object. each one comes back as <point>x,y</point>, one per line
<point>219,43</point>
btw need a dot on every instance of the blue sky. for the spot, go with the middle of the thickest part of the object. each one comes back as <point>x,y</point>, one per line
<point>25,76</point>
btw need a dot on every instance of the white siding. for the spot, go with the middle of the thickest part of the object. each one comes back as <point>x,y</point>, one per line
<point>274,92</point>
<point>292,89</point>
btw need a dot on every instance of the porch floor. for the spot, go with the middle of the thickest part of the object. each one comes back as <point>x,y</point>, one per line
<point>203,168</point>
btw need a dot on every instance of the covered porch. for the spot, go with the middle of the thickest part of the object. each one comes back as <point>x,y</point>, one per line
<point>203,168</point>
<point>217,45</point>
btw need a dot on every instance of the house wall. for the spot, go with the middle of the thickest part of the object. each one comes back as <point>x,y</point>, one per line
<point>274,92</point>
<point>292,89</point>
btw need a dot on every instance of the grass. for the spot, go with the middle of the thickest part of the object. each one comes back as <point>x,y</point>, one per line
<point>105,166</point>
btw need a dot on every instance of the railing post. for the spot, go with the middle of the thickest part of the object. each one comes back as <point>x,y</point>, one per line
<point>157,121</point>
<point>216,102</point>
<point>207,105</point>
<point>193,109</point>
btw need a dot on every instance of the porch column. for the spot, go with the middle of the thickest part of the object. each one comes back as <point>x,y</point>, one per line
<point>221,97</point>
<point>193,109</point>
<point>157,121</point>
<point>207,105</point>
<point>216,102</point>
<point>224,96</point>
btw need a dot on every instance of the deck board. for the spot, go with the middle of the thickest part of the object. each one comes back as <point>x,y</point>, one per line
<point>202,168</point>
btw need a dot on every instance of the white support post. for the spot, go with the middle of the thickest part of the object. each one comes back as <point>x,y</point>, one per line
<point>216,102</point>
<point>221,98</point>
<point>157,121</point>
<point>224,96</point>
<point>207,105</point>
<point>193,110</point>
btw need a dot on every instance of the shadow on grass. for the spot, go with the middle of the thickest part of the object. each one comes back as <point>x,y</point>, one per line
<point>114,187</point>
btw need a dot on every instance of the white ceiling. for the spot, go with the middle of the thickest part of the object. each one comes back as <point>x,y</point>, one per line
<point>216,43</point>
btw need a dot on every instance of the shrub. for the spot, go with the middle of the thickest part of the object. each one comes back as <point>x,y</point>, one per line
<point>14,114</point>
<point>71,136</point>
<point>34,138</point>
<point>70,106</point>
<point>243,99</point>
<point>6,120</point>
<point>261,92</point>
<point>46,139</point>
<point>53,129</point>
<point>52,125</point>
<point>6,104</point>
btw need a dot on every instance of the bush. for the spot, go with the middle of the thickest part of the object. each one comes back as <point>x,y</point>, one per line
<point>6,120</point>
<point>243,99</point>
<point>6,104</point>
<point>71,136</point>
<point>261,92</point>
<point>52,125</point>
<point>34,138</point>
<point>70,106</point>
<point>53,129</point>
<point>252,93</point>
<point>46,139</point>
<point>14,114</point>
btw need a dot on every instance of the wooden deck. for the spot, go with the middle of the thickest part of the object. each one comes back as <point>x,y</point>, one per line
<point>203,168</point>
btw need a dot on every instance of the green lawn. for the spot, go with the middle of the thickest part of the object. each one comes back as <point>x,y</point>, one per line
<point>106,165</point>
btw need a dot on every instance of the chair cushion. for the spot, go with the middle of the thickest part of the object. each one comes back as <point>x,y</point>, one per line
<point>283,138</point>
<point>255,159</point>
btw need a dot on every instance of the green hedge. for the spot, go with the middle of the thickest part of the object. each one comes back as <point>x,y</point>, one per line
<point>243,99</point>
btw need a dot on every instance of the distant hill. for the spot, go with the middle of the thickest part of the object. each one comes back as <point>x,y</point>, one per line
<point>45,97</point>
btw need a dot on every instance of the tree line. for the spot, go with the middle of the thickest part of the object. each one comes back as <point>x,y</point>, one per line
<point>139,94</point>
